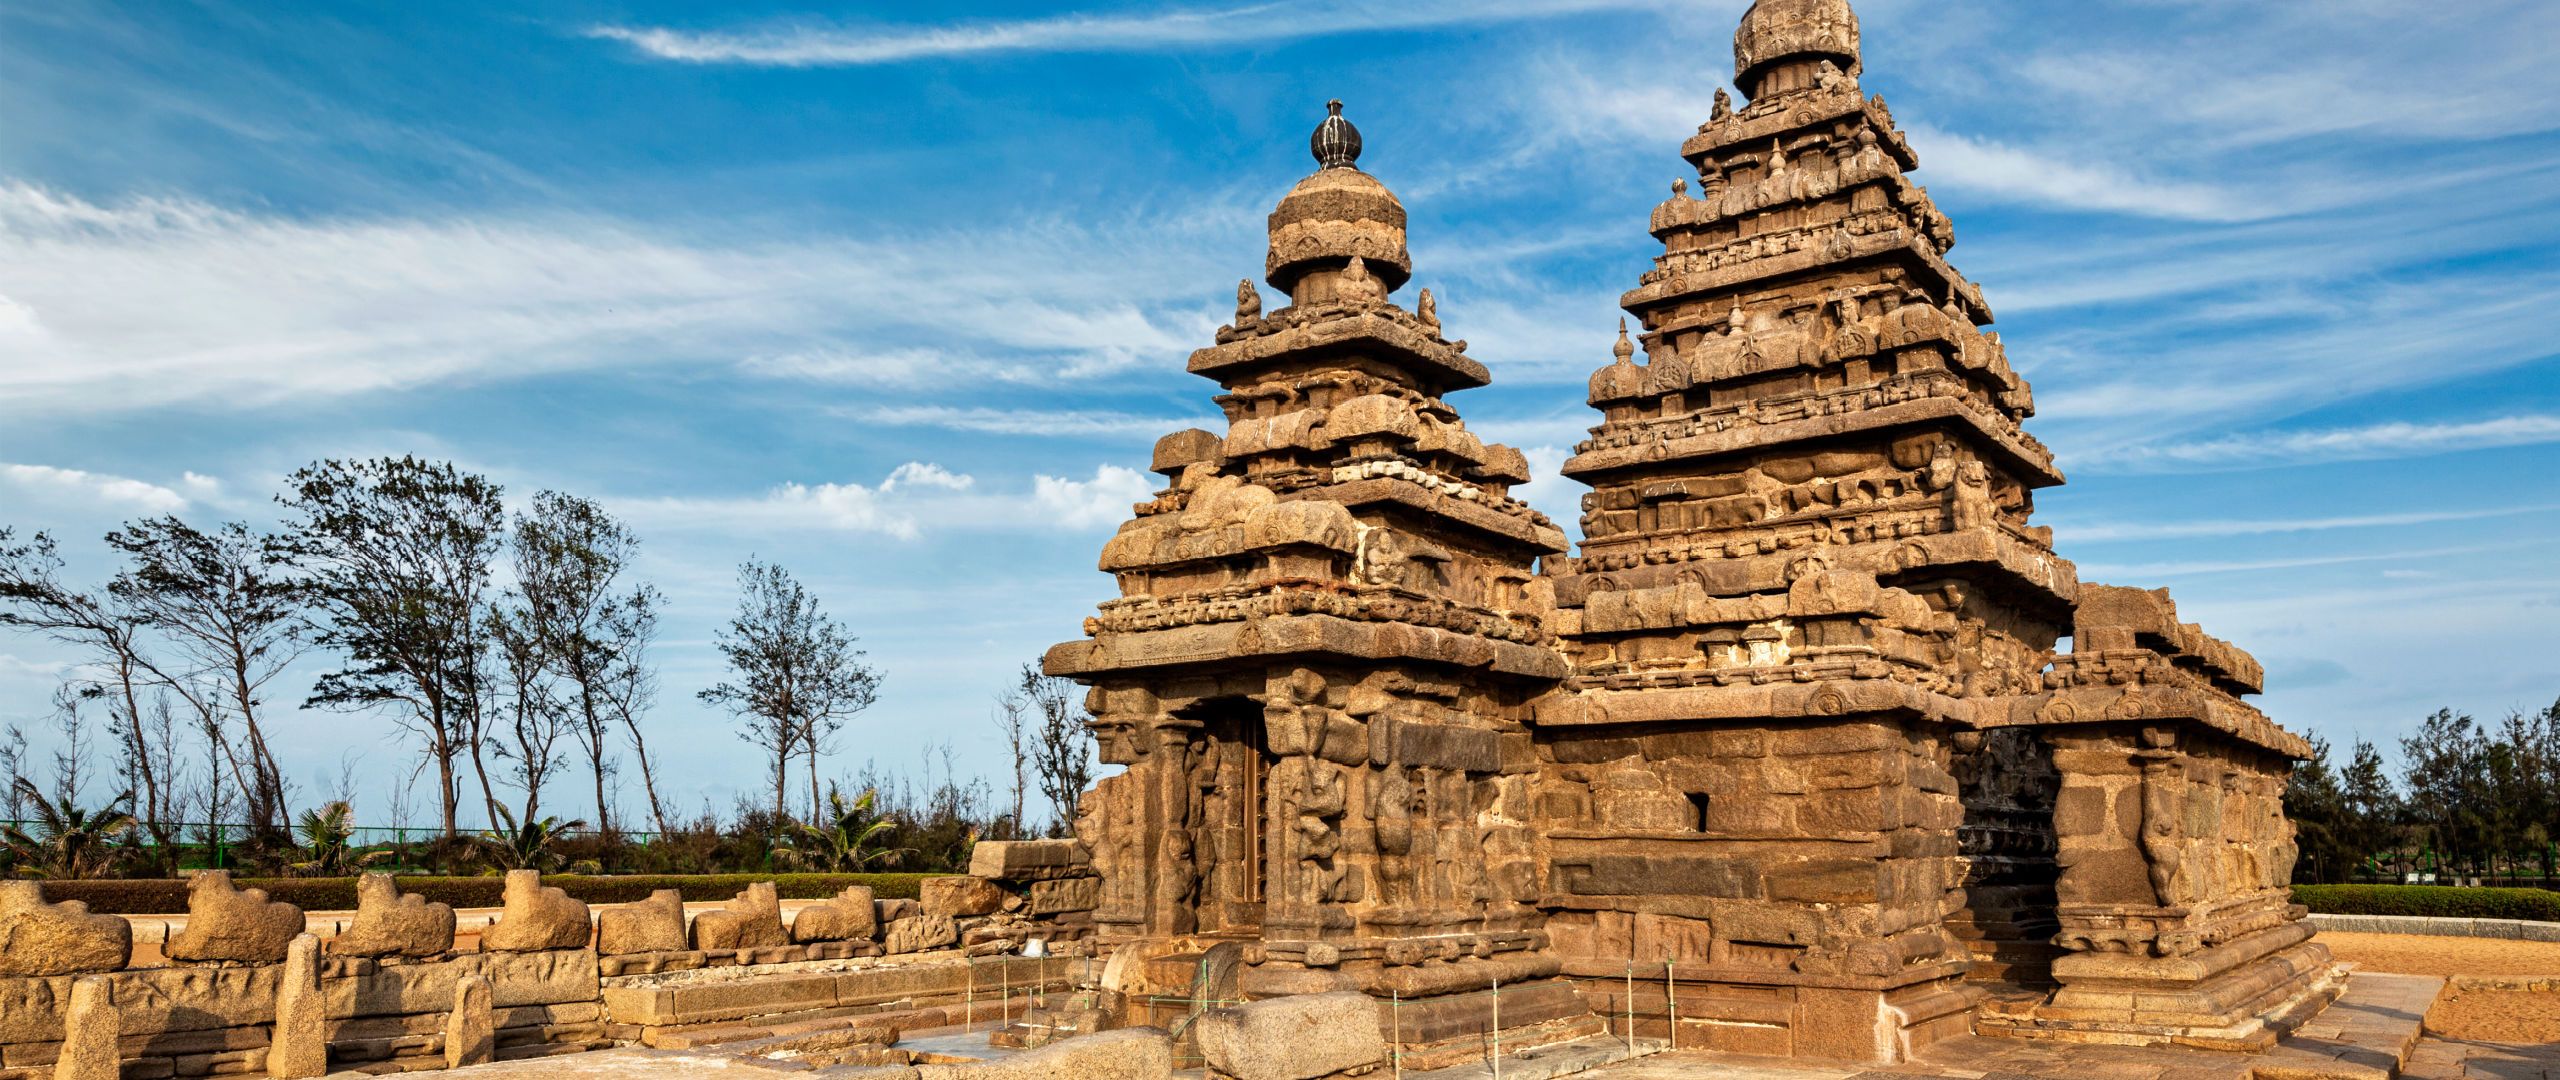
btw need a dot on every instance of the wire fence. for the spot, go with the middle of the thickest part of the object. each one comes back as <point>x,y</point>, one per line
<point>195,845</point>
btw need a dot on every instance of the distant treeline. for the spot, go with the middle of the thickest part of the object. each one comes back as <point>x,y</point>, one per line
<point>2473,799</point>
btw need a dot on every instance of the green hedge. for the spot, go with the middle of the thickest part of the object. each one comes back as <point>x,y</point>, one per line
<point>2441,901</point>
<point>168,896</point>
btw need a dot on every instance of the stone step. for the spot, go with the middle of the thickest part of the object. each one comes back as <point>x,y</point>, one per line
<point>1549,1061</point>
<point>2367,1034</point>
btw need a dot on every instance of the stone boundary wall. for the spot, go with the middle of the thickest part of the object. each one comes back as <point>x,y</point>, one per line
<point>2509,929</point>
<point>242,984</point>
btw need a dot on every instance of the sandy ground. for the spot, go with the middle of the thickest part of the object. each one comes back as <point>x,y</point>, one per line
<point>2499,1016</point>
<point>2412,954</point>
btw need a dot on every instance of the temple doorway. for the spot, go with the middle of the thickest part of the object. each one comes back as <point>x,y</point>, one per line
<point>1237,764</point>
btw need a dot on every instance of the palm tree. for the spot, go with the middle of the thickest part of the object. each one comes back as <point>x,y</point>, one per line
<point>328,835</point>
<point>526,846</point>
<point>849,837</point>
<point>68,841</point>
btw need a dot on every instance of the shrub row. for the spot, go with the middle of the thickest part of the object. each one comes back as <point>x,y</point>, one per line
<point>2440,901</point>
<point>168,896</point>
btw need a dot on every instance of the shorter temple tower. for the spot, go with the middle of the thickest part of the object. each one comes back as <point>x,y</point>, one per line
<point>1319,669</point>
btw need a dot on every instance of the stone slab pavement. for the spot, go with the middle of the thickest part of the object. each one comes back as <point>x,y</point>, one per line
<point>2367,1034</point>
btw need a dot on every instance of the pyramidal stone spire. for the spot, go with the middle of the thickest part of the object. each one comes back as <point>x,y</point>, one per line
<point>1328,618</point>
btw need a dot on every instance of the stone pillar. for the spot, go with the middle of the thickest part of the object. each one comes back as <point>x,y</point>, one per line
<point>300,1044</point>
<point>471,1033</point>
<point>2173,927</point>
<point>90,1029</point>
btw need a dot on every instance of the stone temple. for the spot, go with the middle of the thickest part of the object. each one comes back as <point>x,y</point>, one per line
<point>1816,748</point>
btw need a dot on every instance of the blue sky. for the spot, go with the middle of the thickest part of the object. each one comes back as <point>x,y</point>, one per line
<point>899,296</point>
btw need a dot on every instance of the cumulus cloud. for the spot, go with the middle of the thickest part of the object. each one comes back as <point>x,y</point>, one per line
<point>1086,504</point>
<point>927,474</point>
<point>117,493</point>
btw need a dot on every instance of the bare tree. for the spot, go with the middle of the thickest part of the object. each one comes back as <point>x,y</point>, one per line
<point>396,553</point>
<point>630,686</point>
<point>34,599</point>
<point>798,675</point>
<point>1012,718</point>
<point>71,748</point>
<point>570,556</point>
<point>13,768</point>
<point>535,716</point>
<point>1062,747</point>
<point>231,613</point>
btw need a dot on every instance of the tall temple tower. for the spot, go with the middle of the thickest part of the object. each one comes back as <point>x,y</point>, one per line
<point>1785,761</point>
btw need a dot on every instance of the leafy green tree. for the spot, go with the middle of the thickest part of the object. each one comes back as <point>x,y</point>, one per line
<point>396,554</point>
<point>571,561</point>
<point>227,605</point>
<point>798,677</point>
<point>34,599</point>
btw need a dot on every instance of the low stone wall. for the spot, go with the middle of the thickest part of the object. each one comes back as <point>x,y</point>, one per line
<point>389,986</point>
<point>2509,929</point>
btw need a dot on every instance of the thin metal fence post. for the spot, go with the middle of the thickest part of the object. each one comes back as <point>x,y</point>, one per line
<point>1630,1003</point>
<point>1670,1008</point>
<point>1395,1021</point>
<point>1497,1027</point>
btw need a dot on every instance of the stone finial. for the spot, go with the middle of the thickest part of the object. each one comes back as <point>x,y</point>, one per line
<point>471,1033</point>
<point>750,920</point>
<point>1793,36</point>
<point>37,938</point>
<point>391,923</point>
<point>652,925</point>
<point>90,1028</point>
<point>537,917</point>
<point>1336,144</point>
<point>848,916</point>
<point>233,925</point>
<point>299,1046</point>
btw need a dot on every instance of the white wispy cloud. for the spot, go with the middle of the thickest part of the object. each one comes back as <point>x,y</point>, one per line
<point>812,44</point>
<point>2070,181</point>
<point>1052,423</point>
<point>1084,504</point>
<point>913,500</point>
<point>2101,531</point>
<point>117,493</point>
<point>2139,572</point>
<point>154,301</point>
<point>2392,439</point>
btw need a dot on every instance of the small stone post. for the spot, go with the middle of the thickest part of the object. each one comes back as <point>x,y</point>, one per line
<point>471,1034</point>
<point>90,1030</point>
<point>300,1046</point>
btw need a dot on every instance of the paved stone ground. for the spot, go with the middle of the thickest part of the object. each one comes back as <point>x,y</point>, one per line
<point>2366,1035</point>
<point>2456,1059</point>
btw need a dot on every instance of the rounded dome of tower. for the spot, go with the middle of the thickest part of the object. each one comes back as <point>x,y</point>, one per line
<point>1781,33</point>
<point>1337,214</point>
